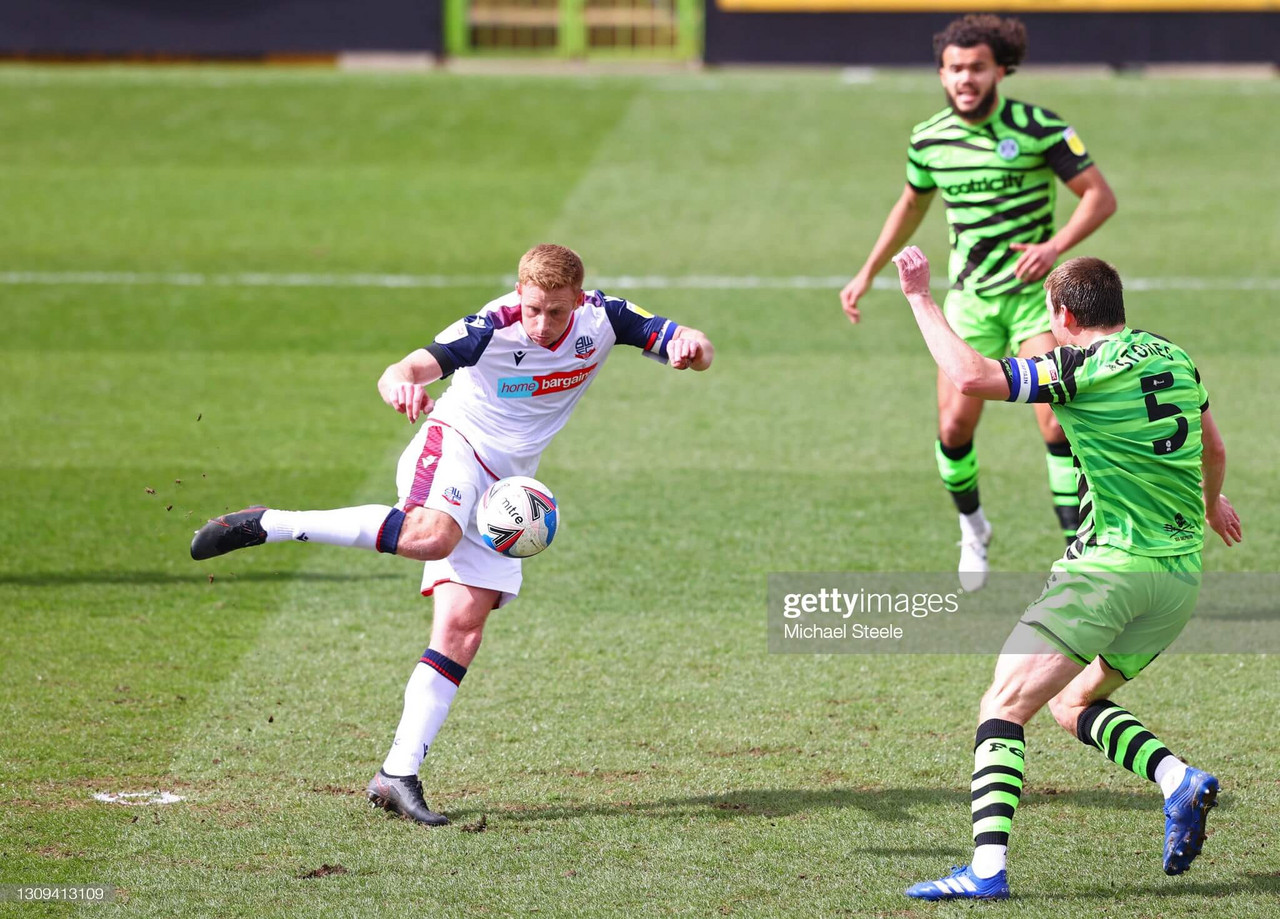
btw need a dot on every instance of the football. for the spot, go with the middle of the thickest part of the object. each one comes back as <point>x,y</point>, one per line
<point>517,516</point>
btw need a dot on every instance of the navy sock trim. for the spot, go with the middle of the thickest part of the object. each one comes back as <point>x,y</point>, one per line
<point>998,729</point>
<point>389,532</point>
<point>1061,448</point>
<point>448,668</point>
<point>956,453</point>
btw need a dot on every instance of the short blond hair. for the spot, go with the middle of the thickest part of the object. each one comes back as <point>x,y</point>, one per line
<point>550,267</point>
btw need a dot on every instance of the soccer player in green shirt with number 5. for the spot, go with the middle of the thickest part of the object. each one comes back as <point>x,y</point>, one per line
<point>997,163</point>
<point>1151,465</point>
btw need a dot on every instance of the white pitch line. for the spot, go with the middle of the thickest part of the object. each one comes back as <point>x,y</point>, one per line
<point>745,80</point>
<point>445,281</point>
<point>248,279</point>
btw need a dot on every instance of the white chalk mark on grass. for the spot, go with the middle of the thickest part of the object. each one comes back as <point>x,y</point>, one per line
<point>137,798</point>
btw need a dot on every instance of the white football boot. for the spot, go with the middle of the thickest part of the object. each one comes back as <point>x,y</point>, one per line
<point>975,536</point>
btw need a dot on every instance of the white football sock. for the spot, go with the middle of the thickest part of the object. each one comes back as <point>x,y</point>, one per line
<point>974,526</point>
<point>988,860</point>
<point>1169,774</point>
<point>426,704</point>
<point>346,526</point>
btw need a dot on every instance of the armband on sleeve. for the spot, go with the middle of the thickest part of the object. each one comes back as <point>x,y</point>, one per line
<point>1051,378</point>
<point>1033,379</point>
<point>1021,376</point>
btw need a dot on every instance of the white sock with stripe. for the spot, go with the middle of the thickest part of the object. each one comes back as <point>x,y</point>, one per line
<point>356,527</point>
<point>427,698</point>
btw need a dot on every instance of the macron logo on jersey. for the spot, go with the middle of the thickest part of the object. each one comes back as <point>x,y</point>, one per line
<point>524,387</point>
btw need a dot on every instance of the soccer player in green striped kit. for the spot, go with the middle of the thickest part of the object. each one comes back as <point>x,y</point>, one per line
<point>997,163</point>
<point>1151,463</point>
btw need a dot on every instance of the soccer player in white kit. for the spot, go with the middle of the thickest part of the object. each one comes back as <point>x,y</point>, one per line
<point>519,367</point>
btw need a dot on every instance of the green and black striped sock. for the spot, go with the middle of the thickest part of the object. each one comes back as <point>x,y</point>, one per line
<point>1122,738</point>
<point>998,757</point>
<point>958,467</point>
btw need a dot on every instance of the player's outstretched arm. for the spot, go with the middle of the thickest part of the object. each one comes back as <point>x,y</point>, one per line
<point>1218,512</point>
<point>899,226</point>
<point>403,385</point>
<point>1097,203</point>
<point>689,349</point>
<point>972,374</point>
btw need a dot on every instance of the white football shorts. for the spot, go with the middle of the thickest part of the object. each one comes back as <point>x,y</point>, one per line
<point>439,470</point>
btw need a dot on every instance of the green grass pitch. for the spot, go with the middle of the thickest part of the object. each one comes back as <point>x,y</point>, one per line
<point>629,745</point>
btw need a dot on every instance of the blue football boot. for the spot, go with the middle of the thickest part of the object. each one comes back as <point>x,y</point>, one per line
<point>962,884</point>
<point>1185,814</point>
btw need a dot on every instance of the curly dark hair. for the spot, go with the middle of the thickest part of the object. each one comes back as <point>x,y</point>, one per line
<point>1007,38</point>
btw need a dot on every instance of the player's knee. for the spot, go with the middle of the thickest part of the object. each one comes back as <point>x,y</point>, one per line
<point>428,535</point>
<point>1065,710</point>
<point>955,431</point>
<point>461,636</point>
<point>435,546</point>
<point>468,642</point>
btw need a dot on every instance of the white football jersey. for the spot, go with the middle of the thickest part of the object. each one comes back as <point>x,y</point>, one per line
<point>510,395</point>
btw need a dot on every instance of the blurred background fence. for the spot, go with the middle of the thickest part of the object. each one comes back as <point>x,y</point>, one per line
<point>849,32</point>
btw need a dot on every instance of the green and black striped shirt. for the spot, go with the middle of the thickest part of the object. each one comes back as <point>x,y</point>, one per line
<point>1130,404</point>
<point>998,182</point>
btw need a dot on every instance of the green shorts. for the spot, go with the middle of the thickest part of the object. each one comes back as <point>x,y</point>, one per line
<point>1111,604</point>
<point>996,327</point>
